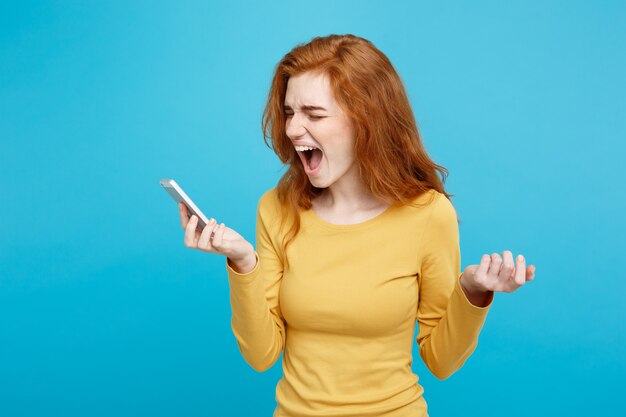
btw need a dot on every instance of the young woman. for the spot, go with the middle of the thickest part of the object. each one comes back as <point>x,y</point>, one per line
<point>358,241</point>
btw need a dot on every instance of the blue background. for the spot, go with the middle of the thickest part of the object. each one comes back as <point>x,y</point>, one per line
<point>104,311</point>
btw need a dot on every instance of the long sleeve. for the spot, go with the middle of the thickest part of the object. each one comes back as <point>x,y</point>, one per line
<point>257,321</point>
<point>449,324</point>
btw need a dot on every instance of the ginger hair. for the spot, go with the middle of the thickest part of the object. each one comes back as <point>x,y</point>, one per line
<point>393,163</point>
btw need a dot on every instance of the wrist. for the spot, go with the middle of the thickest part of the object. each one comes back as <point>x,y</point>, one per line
<point>245,264</point>
<point>468,286</point>
<point>477,297</point>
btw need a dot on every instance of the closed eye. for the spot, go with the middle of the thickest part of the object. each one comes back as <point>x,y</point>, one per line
<point>287,115</point>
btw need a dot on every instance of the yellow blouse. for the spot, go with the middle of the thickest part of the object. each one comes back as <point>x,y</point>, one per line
<point>344,313</point>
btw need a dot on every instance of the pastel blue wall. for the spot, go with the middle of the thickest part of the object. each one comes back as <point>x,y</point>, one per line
<point>104,311</point>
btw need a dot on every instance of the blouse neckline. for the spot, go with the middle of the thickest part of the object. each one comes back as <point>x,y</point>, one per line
<point>347,227</point>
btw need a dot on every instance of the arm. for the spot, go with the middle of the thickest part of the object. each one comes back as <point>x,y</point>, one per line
<point>257,322</point>
<point>449,324</point>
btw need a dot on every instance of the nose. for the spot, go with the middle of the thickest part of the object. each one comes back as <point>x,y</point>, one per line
<point>295,126</point>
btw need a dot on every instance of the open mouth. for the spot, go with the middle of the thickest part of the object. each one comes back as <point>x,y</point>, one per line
<point>311,158</point>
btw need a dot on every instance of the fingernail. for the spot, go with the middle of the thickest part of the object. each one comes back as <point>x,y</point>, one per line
<point>520,258</point>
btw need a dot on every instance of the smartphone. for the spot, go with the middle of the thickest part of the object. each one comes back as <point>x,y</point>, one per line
<point>179,195</point>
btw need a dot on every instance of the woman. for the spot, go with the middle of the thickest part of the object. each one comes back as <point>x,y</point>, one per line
<point>357,242</point>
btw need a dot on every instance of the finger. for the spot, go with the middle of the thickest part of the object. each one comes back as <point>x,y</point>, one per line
<point>484,265</point>
<point>530,273</point>
<point>219,236</point>
<point>184,216</point>
<point>191,233</point>
<point>520,274</point>
<point>205,238</point>
<point>494,267</point>
<point>508,265</point>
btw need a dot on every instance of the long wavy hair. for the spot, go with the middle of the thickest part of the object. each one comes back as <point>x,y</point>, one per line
<point>392,161</point>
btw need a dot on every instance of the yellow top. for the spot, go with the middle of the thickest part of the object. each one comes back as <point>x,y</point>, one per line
<point>345,311</point>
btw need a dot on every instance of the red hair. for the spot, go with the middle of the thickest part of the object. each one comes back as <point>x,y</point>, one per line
<point>393,163</point>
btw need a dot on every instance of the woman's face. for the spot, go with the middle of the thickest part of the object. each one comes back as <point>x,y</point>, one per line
<point>313,118</point>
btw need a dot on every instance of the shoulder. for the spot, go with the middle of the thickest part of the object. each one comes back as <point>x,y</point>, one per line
<point>435,207</point>
<point>269,204</point>
<point>443,204</point>
<point>442,215</point>
<point>432,200</point>
<point>269,196</point>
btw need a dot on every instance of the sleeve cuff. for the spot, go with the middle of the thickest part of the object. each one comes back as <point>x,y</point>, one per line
<point>234,274</point>
<point>473,309</point>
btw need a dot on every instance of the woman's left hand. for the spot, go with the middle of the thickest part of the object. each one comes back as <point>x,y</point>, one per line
<point>498,274</point>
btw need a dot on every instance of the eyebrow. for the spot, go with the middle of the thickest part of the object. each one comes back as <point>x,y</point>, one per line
<point>307,107</point>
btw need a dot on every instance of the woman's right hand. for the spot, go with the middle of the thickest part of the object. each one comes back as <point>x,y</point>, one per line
<point>225,241</point>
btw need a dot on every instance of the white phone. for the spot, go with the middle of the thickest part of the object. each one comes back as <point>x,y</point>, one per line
<point>179,195</point>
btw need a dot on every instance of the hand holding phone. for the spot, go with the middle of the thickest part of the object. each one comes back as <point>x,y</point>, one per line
<point>177,193</point>
<point>208,236</point>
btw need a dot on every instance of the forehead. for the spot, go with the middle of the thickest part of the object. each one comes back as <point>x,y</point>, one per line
<point>309,89</point>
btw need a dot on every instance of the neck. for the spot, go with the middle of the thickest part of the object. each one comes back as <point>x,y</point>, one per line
<point>349,195</point>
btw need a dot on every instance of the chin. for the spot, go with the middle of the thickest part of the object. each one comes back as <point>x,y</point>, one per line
<point>317,183</point>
